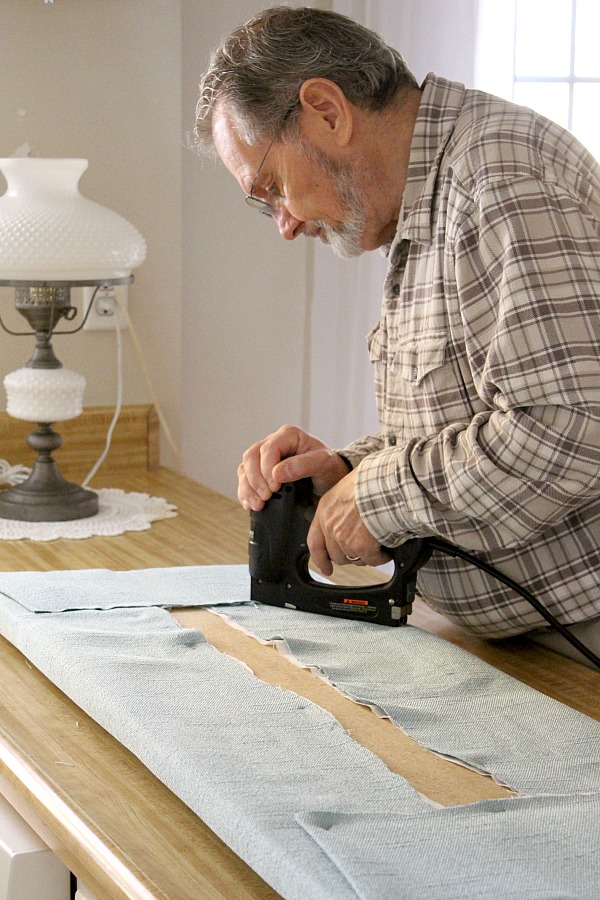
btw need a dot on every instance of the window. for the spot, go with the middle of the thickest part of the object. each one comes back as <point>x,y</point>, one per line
<point>544,54</point>
<point>557,63</point>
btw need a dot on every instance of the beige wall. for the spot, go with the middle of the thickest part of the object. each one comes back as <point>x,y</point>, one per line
<point>101,79</point>
<point>246,294</point>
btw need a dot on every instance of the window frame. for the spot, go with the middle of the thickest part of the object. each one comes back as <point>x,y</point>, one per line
<point>571,80</point>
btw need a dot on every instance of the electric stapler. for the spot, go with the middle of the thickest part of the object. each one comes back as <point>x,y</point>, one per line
<point>280,575</point>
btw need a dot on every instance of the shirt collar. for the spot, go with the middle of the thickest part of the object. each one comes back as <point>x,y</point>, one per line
<point>440,106</point>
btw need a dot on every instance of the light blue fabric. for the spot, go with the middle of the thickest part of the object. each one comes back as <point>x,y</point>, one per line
<point>105,589</point>
<point>446,698</point>
<point>245,756</point>
<point>552,845</point>
<point>278,779</point>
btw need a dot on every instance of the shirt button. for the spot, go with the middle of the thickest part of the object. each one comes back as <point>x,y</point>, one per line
<point>414,373</point>
<point>392,440</point>
<point>396,290</point>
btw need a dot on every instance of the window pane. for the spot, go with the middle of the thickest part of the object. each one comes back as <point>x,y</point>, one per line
<point>587,39</point>
<point>549,99</point>
<point>541,47</point>
<point>586,122</point>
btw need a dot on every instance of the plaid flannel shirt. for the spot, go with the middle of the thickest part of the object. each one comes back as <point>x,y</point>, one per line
<point>487,364</point>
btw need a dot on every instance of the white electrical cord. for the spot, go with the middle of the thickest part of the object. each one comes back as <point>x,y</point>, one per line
<point>13,474</point>
<point>119,405</point>
<point>151,391</point>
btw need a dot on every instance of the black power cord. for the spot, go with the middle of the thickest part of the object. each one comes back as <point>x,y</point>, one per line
<point>452,550</point>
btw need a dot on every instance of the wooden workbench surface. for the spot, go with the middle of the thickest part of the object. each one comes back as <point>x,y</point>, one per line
<point>119,829</point>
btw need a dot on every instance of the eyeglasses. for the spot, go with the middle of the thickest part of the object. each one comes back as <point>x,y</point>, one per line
<point>255,202</point>
<point>263,206</point>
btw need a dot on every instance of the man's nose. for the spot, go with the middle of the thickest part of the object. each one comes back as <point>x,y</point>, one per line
<point>289,226</point>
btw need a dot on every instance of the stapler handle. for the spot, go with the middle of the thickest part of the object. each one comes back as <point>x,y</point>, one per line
<point>276,528</point>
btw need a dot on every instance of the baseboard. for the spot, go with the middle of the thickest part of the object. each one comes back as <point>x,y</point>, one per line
<point>134,445</point>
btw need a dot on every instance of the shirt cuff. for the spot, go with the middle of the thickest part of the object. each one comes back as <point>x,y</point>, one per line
<point>351,464</point>
<point>378,497</point>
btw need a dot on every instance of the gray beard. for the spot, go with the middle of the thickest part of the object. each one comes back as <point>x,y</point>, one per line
<point>346,239</point>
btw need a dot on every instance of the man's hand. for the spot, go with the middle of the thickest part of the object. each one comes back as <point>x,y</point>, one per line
<point>337,533</point>
<point>287,455</point>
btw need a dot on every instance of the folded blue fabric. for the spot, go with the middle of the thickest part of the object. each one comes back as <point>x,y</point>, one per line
<point>539,847</point>
<point>105,589</point>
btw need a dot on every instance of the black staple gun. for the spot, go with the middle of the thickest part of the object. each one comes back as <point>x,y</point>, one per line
<point>279,573</point>
<point>279,566</point>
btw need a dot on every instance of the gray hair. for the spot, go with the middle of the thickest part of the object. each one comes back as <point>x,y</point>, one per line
<point>258,71</point>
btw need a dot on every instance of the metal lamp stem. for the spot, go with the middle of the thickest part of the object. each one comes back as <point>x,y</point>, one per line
<point>46,496</point>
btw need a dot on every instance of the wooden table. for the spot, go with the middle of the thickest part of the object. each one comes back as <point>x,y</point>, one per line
<point>113,823</point>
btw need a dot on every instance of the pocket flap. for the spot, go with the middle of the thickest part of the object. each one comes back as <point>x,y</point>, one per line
<point>416,359</point>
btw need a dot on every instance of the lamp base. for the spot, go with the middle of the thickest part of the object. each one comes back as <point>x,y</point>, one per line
<point>46,496</point>
<point>60,502</point>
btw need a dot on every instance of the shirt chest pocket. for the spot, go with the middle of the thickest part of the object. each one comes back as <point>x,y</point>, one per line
<point>415,360</point>
<point>421,390</point>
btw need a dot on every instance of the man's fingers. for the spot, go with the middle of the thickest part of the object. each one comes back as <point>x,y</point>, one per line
<point>288,454</point>
<point>251,479</point>
<point>259,461</point>
<point>304,466</point>
<point>323,465</point>
<point>317,546</point>
<point>374,559</point>
<point>246,494</point>
<point>283,444</point>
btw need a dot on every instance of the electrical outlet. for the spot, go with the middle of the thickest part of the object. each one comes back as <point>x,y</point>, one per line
<point>108,303</point>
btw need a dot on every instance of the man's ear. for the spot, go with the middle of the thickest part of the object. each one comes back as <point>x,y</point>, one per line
<point>328,116</point>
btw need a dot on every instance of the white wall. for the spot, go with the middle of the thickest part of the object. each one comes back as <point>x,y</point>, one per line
<point>101,79</point>
<point>245,294</point>
<point>434,35</point>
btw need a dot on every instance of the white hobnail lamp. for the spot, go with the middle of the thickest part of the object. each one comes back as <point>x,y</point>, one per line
<point>52,239</point>
<point>53,395</point>
<point>50,232</point>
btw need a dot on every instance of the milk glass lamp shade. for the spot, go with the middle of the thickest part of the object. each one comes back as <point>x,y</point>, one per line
<point>50,232</point>
<point>52,239</point>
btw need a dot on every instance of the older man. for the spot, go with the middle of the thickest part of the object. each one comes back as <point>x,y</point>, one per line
<point>486,358</point>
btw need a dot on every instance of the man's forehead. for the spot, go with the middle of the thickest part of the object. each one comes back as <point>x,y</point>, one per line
<point>224,131</point>
<point>239,157</point>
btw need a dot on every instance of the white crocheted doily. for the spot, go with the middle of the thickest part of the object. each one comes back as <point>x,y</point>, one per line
<point>118,512</point>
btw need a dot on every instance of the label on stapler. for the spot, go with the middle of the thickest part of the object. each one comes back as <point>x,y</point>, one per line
<point>360,606</point>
